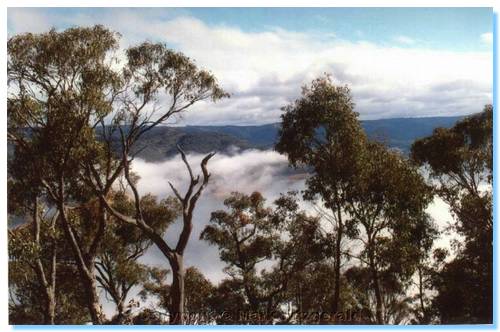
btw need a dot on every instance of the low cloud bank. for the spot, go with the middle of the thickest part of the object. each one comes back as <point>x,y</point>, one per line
<point>247,171</point>
<point>243,171</point>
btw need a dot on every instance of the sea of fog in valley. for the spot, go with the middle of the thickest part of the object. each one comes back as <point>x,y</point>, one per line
<point>244,171</point>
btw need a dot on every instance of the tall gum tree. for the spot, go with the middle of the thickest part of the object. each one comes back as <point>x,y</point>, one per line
<point>70,100</point>
<point>60,83</point>
<point>460,165</point>
<point>321,131</point>
<point>387,202</point>
<point>151,69</point>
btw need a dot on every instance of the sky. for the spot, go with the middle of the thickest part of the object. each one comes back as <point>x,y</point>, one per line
<point>398,62</point>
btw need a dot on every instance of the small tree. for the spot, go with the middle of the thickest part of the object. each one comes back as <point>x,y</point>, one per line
<point>244,240</point>
<point>249,234</point>
<point>118,267</point>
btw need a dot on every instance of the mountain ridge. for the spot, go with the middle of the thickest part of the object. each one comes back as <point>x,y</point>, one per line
<point>159,143</point>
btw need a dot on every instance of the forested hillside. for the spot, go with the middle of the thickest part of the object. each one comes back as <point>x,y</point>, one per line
<point>161,141</point>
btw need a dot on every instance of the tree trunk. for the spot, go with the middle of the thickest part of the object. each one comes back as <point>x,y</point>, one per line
<point>50,312</point>
<point>338,257</point>
<point>93,304</point>
<point>376,286</point>
<point>120,308</point>
<point>421,295</point>
<point>177,293</point>
<point>48,285</point>
<point>50,290</point>
<point>86,270</point>
<point>378,297</point>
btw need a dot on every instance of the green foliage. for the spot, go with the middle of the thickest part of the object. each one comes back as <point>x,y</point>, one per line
<point>64,85</point>
<point>250,233</point>
<point>26,294</point>
<point>321,131</point>
<point>460,161</point>
<point>374,194</point>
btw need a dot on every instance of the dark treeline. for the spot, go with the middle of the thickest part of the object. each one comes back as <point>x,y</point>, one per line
<point>366,253</point>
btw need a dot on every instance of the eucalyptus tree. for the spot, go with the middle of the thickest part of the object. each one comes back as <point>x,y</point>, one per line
<point>60,83</point>
<point>460,164</point>
<point>70,96</point>
<point>174,255</point>
<point>118,267</point>
<point>151,69</point>
<point>388,202</point>
<point>283,238</point>
<point>244,240</point>
<point>321,131</point>
<point>42,273</point>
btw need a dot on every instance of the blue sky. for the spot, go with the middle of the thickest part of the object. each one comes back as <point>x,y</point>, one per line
<point>399,62</point>
<point>438,28</point>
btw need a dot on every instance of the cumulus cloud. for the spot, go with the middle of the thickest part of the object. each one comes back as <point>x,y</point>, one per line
<point>404,40</point>
<point>487,38</point>
<point>264,70</point>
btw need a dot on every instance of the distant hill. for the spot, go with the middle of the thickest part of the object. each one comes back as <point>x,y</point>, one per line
<point>402,132</point>
<point>160,142</point>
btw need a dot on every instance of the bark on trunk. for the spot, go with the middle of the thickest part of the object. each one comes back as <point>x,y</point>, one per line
<point>177,295</point>
<point>120,308</point>
<point>48,285</point>
<point>376,287</point>
<point>86,270</point>
<point>50,313</point>
<point>338,257</point>
<point>93,304</point>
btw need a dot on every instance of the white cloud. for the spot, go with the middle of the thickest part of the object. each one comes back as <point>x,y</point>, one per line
<point>27,20</point>
<point>487,38</point>
<point>404,40</point>
<point>247,171</point>
<point>265,70</point>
